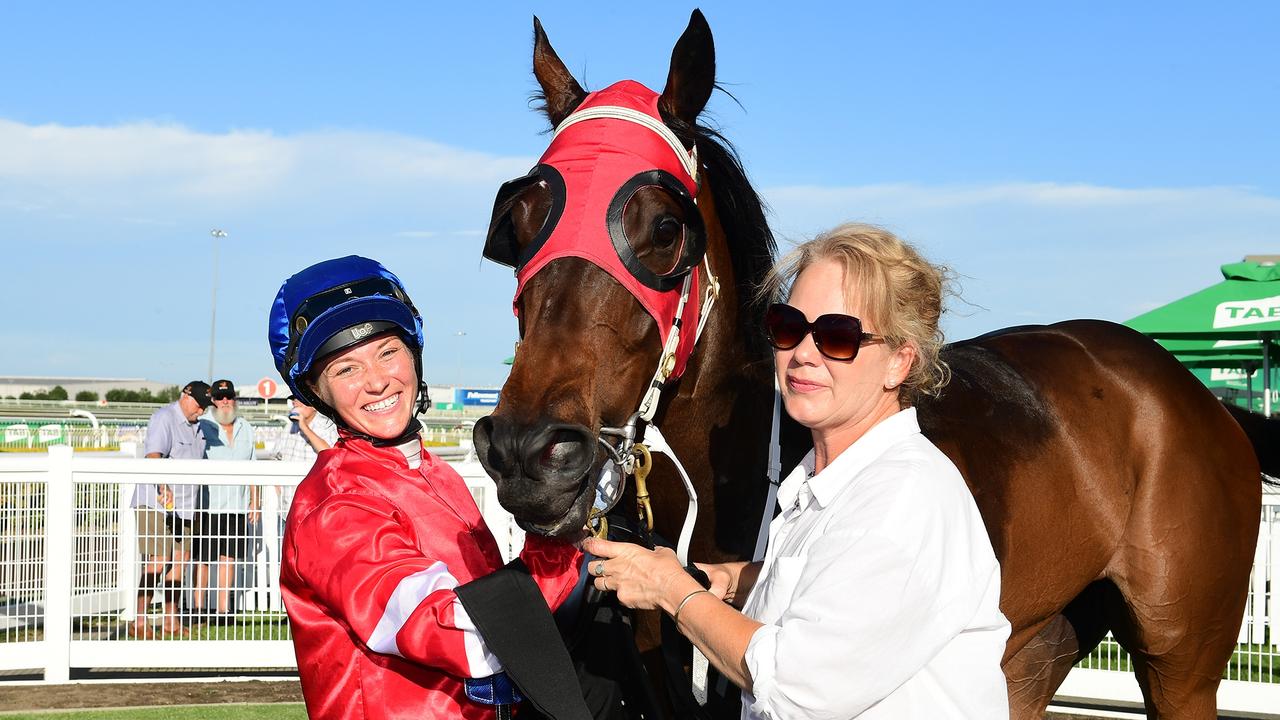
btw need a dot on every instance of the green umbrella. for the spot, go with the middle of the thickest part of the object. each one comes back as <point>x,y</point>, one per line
<point>1232,352</point>
<point>1246,305</point>
<point>1231,325</point>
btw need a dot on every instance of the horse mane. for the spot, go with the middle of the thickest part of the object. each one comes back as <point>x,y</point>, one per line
<point>742,216</point>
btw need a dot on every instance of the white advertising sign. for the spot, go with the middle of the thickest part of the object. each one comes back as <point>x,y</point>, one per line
<point>1235,313</point>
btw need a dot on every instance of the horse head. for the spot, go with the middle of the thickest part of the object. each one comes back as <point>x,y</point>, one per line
<point>614,226</point>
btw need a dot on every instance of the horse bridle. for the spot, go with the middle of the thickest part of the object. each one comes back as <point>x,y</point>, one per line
<point>632,457</point>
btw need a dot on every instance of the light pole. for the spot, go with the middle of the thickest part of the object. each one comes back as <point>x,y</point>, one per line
<point>460,334</point>
<point>213,305</point>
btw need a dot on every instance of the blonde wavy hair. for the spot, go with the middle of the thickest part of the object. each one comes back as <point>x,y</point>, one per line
<point>901,294</point>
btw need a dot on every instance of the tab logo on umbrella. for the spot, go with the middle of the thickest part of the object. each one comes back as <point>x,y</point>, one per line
<point>1247,312</point>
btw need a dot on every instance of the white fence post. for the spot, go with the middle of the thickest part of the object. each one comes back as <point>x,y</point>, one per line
<point>59,539</point>
<point>126,557</point>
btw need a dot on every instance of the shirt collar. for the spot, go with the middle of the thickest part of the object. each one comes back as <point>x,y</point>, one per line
<point>395,455</point>
<point>412,450</point>
<point>181,416</point>
<point>838,474</point>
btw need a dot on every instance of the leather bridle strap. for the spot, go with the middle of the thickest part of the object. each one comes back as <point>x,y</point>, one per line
<point>775,475</point>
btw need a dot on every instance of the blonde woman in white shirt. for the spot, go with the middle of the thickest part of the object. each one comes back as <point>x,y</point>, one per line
<point>878,594</point>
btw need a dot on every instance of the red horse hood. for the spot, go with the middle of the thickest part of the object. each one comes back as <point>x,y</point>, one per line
<point>596,157</point>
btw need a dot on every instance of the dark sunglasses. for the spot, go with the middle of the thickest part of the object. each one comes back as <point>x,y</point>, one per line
<point>836,336</point>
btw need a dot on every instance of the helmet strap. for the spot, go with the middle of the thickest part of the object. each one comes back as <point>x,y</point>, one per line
<point>411,431</point>
<point>424,397</point>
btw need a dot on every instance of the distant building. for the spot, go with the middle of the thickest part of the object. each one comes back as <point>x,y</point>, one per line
<point>14,386</point>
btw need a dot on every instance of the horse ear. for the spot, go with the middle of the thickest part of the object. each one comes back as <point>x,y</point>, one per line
<point>560,90</point>
<point>693,71</point>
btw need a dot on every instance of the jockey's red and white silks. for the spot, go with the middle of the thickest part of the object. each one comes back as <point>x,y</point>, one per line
<point>372,553</point>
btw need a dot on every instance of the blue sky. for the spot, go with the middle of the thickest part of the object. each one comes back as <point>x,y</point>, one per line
<point>1067,160</point>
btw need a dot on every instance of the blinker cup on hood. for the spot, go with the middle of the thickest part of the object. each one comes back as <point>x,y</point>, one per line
<point>610,148</point>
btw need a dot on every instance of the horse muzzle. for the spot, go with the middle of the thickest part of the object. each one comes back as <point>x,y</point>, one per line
<point>545,471</point>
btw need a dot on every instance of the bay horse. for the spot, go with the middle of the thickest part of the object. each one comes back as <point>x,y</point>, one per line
<point>1118,493</point>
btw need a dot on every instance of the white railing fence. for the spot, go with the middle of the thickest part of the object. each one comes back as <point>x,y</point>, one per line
<point>26,435</point>
<point>69,550</point>
<point>70,566</point>
<point>23,434</point>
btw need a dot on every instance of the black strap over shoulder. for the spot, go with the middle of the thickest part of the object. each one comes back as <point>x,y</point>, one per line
<point>510,612</point>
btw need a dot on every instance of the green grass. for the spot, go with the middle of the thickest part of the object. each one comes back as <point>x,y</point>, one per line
<point>278,711</point>
<point>249,626</point>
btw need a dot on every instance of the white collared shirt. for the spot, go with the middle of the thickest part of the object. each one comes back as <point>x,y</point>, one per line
<point>879,592</point>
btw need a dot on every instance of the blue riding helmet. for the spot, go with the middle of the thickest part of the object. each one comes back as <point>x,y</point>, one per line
<point>333,305</point>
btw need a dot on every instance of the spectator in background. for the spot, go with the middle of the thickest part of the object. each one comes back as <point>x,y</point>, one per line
<point>310,433</point>
<point>164,512</point>
<point>223,525</point>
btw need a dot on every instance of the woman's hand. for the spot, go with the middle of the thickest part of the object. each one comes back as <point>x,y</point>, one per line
<point>732,581</point>
<point>723,579</point>
<point>644,579</point>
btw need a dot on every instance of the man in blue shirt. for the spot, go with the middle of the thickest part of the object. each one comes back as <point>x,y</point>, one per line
<point>164,512</point>
<point>222,527</point>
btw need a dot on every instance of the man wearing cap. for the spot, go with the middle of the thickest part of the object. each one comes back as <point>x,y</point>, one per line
<point>164,512</point>
<point>222,525</point>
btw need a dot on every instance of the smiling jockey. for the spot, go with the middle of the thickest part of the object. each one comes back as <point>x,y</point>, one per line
<point>398,600</point>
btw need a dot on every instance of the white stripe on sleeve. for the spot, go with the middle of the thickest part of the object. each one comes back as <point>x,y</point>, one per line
<point>408,594</point>
<point>481,662</point>
<point>411,591</point>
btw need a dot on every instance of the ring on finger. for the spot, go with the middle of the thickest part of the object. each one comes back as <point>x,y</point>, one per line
<point>599,568</point>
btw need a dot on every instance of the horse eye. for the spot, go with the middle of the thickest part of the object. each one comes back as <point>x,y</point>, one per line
<point>667,233</point>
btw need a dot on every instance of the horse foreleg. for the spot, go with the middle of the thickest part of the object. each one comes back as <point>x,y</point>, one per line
<point>1035,671</point>
<point>1038,668</point>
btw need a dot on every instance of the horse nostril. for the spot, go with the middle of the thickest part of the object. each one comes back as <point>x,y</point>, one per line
<point>563,449</point>
<point>481,431</point>
<point>559,453</point>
